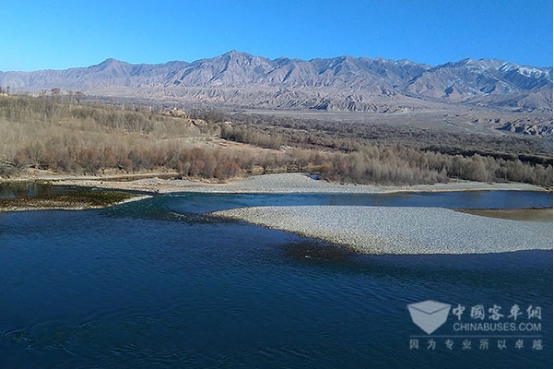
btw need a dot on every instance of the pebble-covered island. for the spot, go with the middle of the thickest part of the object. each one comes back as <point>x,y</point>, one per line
<point>374,230</point>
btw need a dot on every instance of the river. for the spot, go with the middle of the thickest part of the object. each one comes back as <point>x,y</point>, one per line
<point>156,283</point>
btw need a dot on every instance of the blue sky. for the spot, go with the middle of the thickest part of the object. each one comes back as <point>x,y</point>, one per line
<point>59,34</point>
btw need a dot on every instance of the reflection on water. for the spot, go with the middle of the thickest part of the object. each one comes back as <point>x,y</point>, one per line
<point>31,189</point>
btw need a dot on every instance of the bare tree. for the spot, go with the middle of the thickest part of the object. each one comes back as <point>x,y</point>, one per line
<point>56,94</point>
<point>79,96</point>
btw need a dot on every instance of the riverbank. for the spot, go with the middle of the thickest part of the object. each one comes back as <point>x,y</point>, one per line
<point>395,230</point>
<point>75,200</point>
<point>268,183</point>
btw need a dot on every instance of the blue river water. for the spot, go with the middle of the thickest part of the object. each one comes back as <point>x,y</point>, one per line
<point>157,284</point>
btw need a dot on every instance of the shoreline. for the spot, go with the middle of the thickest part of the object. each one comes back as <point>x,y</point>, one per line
<point>146,185</point>
<point>267,183</point>
<point>364,229</point>
<point>32,204</point>
<point>400,230</point>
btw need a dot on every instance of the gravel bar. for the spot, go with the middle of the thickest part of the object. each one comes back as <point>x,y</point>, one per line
<point>285,183</point>
<point>401,230</point>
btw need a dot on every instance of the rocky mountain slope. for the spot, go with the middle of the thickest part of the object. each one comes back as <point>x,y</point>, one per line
<point>341,83</point>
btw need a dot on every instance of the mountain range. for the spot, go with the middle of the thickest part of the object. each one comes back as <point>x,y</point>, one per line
<point>341,83</point>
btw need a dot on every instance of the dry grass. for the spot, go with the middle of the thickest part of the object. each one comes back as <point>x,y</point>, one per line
<point>534,215</point>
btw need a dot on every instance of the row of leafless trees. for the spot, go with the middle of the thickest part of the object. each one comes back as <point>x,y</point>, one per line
<point>348,135</point>
<point>358,160</point>
<point>411,167</point>
<point>223,163</point>
<point>39,132</point>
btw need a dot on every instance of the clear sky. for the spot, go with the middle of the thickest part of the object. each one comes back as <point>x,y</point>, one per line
<point>59,34</point>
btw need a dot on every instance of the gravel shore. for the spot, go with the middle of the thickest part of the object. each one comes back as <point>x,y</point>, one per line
<point>283,183</point>
<point>57,204</point>
<point>393,230</point>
